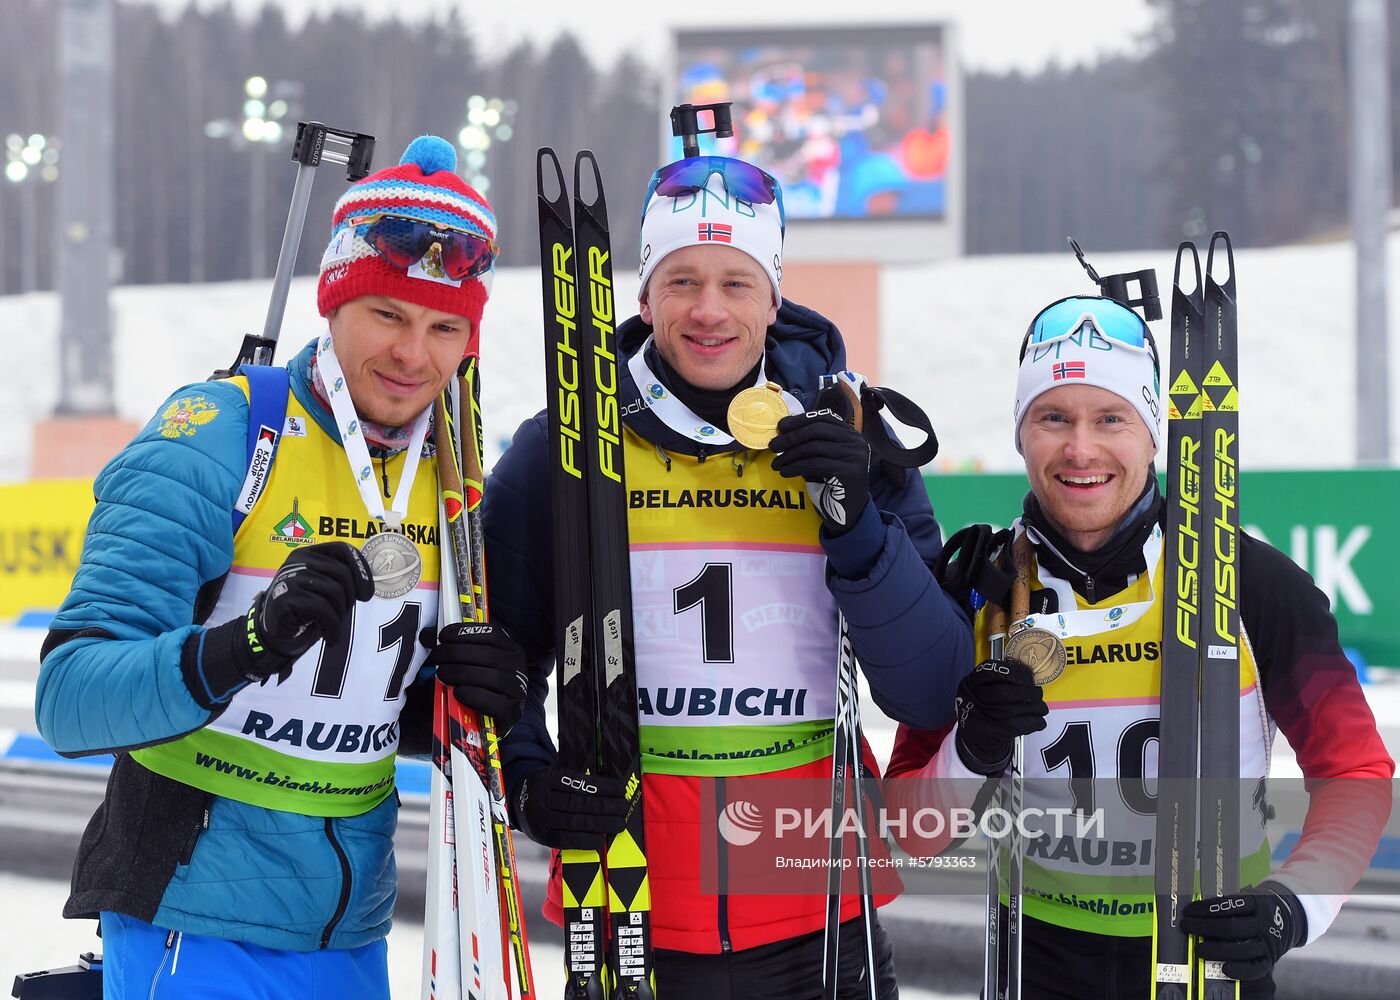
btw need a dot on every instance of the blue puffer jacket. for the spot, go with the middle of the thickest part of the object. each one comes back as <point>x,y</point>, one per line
<point>914,642</point>
<point>158,547</point>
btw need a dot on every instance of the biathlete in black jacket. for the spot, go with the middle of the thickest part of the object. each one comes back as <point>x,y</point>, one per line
<point>1094,520</point>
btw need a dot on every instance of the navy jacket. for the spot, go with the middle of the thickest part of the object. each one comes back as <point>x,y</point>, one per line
<point>913,641</point>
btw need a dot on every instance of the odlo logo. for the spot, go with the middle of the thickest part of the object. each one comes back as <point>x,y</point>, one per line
<point>1226,905</point>
<point>579,784</point>
<point>741,823</point>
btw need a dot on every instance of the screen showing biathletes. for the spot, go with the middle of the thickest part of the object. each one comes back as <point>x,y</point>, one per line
<point>853,123</point>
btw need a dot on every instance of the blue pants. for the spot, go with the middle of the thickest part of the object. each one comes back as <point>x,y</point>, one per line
<point>144,962</point>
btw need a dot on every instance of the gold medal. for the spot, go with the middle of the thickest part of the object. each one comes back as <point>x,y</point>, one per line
<point>1038,649</point>
<point>754,414</point>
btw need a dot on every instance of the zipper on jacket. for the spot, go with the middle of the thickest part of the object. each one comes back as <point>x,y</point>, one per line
<point>344,900</point>
<point>1040,539</point>
<point>722,870</point>
<point>187,854</point>
<point>384,475</point>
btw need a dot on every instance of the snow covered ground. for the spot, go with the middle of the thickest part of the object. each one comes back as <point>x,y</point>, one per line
<point>949,334</point>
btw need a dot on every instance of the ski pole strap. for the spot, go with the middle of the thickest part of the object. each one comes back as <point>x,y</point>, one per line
<point>968,563</point>
<point>847,396</point>
<point>267,412</point>
<point>874,399</point>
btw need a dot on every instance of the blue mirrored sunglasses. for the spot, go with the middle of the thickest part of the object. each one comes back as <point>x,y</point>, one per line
<point>1109,318</point>
<point>741,179</point>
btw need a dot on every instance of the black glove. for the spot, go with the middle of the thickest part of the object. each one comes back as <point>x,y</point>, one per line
<point>997,702</point>
<point>1248,931</point>
<point>558,807</point>
<point>485,668</point>
<point>833,456</point>
<point>308,600</point>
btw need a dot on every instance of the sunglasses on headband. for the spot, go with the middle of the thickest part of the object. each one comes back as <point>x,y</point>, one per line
<point>741,179</point>
<point>1109,318</point>
<point>404,241</point>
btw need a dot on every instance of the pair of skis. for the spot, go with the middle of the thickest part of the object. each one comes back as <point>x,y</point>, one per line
<point>474,941</point>
<point>607,895</point>
<point>1198,805</point>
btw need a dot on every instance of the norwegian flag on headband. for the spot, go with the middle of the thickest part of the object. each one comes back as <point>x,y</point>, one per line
<point>717,232</point>
<point>1067,369</point>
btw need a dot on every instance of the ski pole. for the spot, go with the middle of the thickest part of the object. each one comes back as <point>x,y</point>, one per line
<point>991,958</point>
<point>1020,610</point>
<point>840,764</point>
<point>867,895</point>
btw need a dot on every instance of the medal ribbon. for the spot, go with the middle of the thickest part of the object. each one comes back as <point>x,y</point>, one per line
<point>1075,623</point>
<point>675,414</point>
<point>347,421</point>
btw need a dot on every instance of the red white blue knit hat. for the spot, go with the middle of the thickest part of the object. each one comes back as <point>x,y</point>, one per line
<point>422,186</point>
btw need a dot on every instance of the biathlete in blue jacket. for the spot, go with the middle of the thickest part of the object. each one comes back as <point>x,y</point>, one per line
<point>713,323</point>
<point>251,682</point>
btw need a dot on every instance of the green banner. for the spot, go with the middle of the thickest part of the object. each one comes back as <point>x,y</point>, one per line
<point>1333,523</point>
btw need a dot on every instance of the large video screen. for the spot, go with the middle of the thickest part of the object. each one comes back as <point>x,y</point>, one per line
<point>852,121</point>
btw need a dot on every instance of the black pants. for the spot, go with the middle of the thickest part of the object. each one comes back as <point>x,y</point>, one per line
<point>784,970</point>
<point>1062,964</point>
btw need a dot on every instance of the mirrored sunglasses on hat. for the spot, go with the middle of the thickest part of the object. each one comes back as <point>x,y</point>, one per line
<point>404,241</point>
<point>741,179</point>
<point>1109,318</point>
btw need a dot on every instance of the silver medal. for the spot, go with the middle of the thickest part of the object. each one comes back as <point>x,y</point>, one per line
<point>395,562</point>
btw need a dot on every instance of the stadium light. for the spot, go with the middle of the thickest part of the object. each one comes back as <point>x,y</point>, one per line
<point>32,158</point>
<point>266,106</point>
<point>489,121</point>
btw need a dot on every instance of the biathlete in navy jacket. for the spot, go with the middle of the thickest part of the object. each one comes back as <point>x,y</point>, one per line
<point>713,322</point>
<point>252,682</point>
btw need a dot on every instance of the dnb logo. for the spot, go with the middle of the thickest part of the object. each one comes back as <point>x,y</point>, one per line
<point>741,823</point>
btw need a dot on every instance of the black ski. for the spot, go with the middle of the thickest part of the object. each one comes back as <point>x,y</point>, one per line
<point>585,901</point>
<point>1180,704</point>
<point>610,633</point>
<point>597,684</point>
<point>1220,626</point>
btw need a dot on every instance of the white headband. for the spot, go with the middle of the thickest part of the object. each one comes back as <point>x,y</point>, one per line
<point>1087,357</point>
<point>712,217</point>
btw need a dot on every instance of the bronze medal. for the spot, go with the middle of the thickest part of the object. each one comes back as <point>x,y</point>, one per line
<point>1038,649</point>
<point>395,563</point>
<point>754,415</point>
